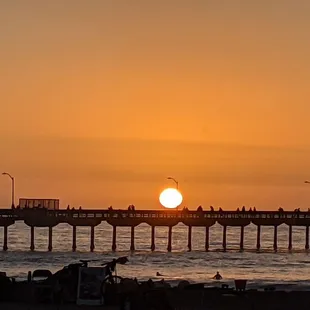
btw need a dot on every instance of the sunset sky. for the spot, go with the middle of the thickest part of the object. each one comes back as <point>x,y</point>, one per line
<point>102,100</point>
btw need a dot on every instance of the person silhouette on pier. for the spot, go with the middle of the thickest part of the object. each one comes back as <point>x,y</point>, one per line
<point>199,209</point>
<point>217,276</point>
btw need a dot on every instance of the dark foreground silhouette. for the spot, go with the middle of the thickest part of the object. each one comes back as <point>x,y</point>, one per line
<point>194,299</point>
<point>59,290</point>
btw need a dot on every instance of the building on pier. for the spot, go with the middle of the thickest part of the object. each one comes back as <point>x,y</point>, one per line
<point>31,203</point>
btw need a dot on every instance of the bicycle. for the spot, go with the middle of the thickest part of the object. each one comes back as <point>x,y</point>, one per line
<point>111,286</point>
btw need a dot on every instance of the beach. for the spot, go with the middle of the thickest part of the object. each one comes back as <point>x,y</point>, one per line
<point>21,306</point>
<point>200,299</point>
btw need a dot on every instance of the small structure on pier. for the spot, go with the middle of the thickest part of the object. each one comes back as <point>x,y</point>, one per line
<point>34,203</point>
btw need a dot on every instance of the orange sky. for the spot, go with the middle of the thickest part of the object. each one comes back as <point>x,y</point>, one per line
<point>102,100</point>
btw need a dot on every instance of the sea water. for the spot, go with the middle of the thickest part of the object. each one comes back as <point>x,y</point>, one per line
<point>285,269</point>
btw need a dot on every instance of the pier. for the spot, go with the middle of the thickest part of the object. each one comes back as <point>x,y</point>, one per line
<point>169,218</point>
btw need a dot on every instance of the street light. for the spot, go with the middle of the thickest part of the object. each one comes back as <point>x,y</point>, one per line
<point>13,186</point>
<point>175,181</point>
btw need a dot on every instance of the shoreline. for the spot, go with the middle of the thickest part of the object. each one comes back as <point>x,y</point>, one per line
<point>252,284</point>
<point>258,285</point>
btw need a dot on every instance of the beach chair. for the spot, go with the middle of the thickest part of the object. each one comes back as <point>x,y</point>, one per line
<point>42,289</point>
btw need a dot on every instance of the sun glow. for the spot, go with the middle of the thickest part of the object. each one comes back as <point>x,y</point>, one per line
<point>170,198</point>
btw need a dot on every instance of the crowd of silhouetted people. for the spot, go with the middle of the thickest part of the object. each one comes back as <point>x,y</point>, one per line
<point>184,209</point>
<point>243,209</point>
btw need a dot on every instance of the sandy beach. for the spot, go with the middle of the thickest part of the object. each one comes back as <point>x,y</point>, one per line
<point>197,299</point>
<point>18,306</point>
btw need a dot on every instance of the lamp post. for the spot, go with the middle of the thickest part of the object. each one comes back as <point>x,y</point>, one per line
<point>13,186</point>
<point>175,181</point>
<point>176,184</point>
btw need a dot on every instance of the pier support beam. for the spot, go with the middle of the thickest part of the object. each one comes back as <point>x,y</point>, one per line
<point>290,244</point>
<point>207,239</point>
<point>307,238</point>
<point>189,238</point>
<point>258,238</point>
<point>132,244</point>
<point>114,238</point>
<point>153,238</point>
<point>50,238</point>
<point>242,238</point>
<point>169,248</point>
<point>224,237</point>
<point>275,239</point>
<point>74,238</point>
<point>92,238</point>
<point>5,238</point>
<point>32,238</point>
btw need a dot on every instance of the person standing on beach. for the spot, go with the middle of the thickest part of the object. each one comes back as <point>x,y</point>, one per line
<point>217,276</point>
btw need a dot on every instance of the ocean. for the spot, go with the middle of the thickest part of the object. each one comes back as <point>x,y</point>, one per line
<point>286,269</point>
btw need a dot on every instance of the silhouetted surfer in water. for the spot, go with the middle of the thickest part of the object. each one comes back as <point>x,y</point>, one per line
<point>217,276</point>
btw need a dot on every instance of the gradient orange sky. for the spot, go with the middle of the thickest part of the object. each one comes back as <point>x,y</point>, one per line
<point>102,100</point>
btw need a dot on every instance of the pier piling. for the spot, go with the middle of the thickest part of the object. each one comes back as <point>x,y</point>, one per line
<point>92,238</point>
<point>152,238</point>
<point>189,238</point>
<point>5,238</point>
<point>132,243</point>
<point>50,238</point>
<point>242,238</point>
<point>73,238</point>
<point>275,238</point>
<point>224,237</point>
<point>32,238</point>
<point>290,245</point>
<point>169,247</point>
<point>258,238</point>
<point>307,238</point>
<point>207,239</point>
<point>114,238</point>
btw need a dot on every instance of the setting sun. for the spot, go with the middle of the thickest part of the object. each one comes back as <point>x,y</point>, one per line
<point>170,198</point>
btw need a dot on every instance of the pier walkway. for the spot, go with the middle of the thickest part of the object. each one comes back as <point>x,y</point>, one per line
<point>50,218</point>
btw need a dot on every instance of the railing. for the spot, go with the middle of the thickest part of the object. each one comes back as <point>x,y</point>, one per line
<point>20,214</point>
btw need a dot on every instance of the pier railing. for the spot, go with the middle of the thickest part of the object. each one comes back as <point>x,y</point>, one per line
<point>20,214</point>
